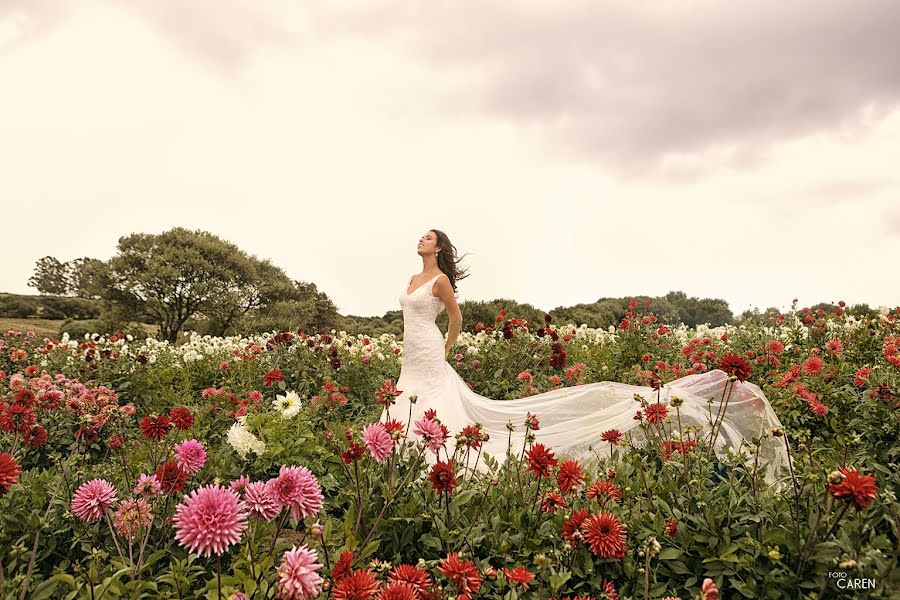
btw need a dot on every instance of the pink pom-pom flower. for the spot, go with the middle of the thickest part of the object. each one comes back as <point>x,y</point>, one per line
<point>378,441</point>
<point>297,576</point>
<point>190,456</point>
<point>93,499</point>
<point>210,519</point>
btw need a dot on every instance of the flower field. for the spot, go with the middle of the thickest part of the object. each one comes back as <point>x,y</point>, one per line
<point>257,468</point>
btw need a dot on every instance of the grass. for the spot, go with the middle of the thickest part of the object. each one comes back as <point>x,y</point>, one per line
<point>45,327</point>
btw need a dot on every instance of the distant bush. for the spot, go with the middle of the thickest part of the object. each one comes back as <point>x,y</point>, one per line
<point>22,306</point>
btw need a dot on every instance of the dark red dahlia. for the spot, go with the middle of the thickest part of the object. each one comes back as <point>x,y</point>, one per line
<point>155,428</point>
<point>443,477</point>
<point>613,436</point>
<point>171,477</point>
<point>737,365</point>
<point>9,472</point>
<point>353,453</point>
<point>17,418</point>
<point>273,377</point>
<point>181,417</point>
<point>35,437</point>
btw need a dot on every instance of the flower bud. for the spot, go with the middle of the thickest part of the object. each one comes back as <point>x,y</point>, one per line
<point>675,401</point>
<point>848,564</point>
<point>835,477</point>
<point>413,398</point>
<point>777,432</point>
<point>317,530</point>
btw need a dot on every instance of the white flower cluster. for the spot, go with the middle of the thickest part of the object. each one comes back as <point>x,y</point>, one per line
<point>243,441</point>
<point>388,347</point>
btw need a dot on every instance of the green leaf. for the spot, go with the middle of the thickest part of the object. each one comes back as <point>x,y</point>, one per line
<point>670,554</point>
<point>47,589</point>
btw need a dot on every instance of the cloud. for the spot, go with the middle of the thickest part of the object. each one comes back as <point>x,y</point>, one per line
<point>615,82</point>
<point>23,21</point>
<point>226,35</point>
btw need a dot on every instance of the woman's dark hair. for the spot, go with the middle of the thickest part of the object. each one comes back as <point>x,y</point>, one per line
<point>447,260</point>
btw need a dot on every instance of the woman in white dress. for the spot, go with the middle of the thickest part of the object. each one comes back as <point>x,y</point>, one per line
<point>571,419</point>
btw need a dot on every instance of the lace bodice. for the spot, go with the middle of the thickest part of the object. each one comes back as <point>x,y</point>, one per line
<point>423,343</point>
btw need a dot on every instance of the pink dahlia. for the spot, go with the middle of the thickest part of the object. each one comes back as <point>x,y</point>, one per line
<point>93,499</point>
<point>378,441</point>
<point>190,456</point>
<point>132,516</point>
<point>260,500</point>
<point>298,488</point>
<point>210,519</point>
<point>297,576</point>
<point>147,485</point>
<point>240,484</point>
<point>431,433</point>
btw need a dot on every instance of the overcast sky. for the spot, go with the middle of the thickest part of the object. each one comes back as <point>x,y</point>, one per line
<point>577,150</point>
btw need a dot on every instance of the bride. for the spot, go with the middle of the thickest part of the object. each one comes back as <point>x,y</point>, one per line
<point>571,419</point>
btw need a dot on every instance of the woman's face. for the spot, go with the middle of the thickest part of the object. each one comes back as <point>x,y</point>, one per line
<point>428,244</point>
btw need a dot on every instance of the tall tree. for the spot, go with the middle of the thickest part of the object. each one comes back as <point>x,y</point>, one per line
<point>176,275</point>
<point>49,276</point>
<point>84,277</point>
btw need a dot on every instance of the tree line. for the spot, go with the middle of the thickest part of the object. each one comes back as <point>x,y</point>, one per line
<point>182,280</point>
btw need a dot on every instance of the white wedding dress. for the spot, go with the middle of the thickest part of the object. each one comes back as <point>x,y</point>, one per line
<point>571,419</point>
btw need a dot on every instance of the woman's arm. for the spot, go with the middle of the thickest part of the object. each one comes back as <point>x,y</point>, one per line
<point>445,292</point>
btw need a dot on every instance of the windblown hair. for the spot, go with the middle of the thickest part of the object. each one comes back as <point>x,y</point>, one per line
<point>447,259</point>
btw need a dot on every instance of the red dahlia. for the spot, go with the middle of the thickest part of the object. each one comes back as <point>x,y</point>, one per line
<point>342,566</point>
<point>358,585</point>
<point>735,364</point>
<point>171,477</point>
<point>17,418</point>
<point>181,418</point>
<point>443,477</point>
<point>605,535</point>
<point>397,591</point>
<point>411,575</point>
<point>856,488</point>
<point>552,501</point>
<point>35,437</point>
<point>569,476</point>
<point>353,453</point>
<point>571,529</point>
<point>155,428</point>
<point>519,575</point>
<point>540,461</point>
<point>463,573</point>
<point>613,436</point>
<point>273,377</point>
<point>604,488</point>
<point>656,412</point>
<point>9,472</point>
